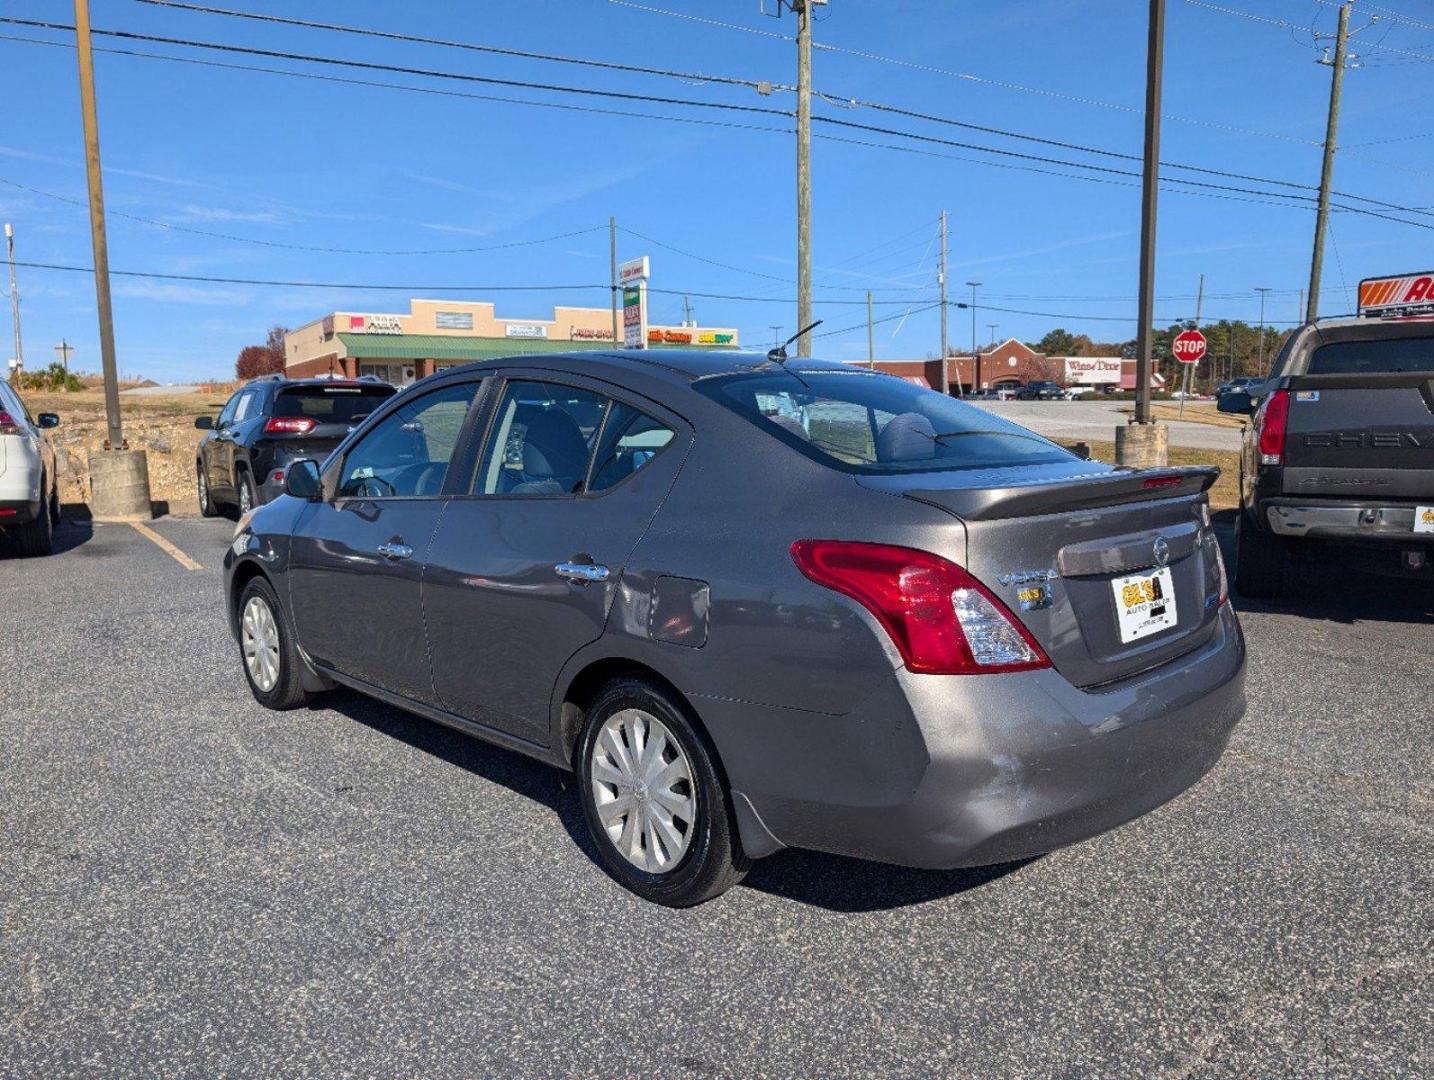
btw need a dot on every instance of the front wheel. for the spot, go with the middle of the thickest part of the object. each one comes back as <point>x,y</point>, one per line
<point>266,645</point>
<point>654,798</point>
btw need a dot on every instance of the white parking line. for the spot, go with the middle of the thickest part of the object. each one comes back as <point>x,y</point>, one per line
<point>165,546</point>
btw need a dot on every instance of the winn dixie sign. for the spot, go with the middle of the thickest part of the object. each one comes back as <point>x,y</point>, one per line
<point>1092,370</point>
<point>1408,294</point>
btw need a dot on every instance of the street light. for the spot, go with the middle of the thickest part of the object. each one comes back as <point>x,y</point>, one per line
<point>975,356</point>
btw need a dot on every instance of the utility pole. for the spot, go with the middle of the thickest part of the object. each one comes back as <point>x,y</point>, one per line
<point>870,335</point>
<point>803,9</point>
<point>119,477</point>
<point>991,326</point>
<point>14,297</point>
<point>776,336</point>
<point>1154,74</point>
<point>1262,290</point>
<point>612,258</point>
<point>975,354</point>
<point>941,280</point>
<point>1301,312</point>
<point>1336,86</point>
<point>64,350</point>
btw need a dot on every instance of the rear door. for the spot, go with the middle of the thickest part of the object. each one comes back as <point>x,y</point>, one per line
<point>526,562</point>
<point>214,450</point>
<point>1361,420</point>
<point>356,560</point>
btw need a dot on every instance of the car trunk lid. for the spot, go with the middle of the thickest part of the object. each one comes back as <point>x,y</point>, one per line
<point>1063,548</point>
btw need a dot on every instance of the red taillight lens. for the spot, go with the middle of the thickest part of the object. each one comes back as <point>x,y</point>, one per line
<point>290,425</point>
<point>943,621</point>
<point>7,424</point>
<point>1271,420</point>
<point>1161,482</point>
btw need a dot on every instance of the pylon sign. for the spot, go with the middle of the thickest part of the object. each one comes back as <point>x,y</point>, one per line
<point>633,275</point>
<point>1190,347</point>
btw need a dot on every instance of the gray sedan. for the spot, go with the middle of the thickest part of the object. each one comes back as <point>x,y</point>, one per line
<point>755,603</point>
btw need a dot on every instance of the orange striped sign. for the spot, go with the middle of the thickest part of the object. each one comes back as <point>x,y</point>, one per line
<point>1410,294</point>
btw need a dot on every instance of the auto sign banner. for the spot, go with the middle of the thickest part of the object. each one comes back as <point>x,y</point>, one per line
<point>1407,294</point>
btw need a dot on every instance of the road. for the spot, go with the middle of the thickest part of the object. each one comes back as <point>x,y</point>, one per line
<point>193,886</point>
<point>1097,420</point>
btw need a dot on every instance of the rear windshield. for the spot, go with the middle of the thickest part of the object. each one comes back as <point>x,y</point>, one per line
<point>1391,357</point>
<point>332,404</point>
<point>873,423</point>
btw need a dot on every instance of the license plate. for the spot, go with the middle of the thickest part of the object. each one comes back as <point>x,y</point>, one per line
<point>1144,603</point>
<point>1424,519</point>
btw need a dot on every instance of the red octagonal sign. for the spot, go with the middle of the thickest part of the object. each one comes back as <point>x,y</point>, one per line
<point>1190,347</point>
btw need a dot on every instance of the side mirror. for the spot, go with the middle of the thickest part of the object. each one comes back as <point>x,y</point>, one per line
<point>204,423</point>
<point>1236,401</point>
<point>48,420</point>
<point>301,480</point>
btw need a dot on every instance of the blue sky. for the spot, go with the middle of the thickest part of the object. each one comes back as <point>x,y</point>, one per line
<point>322,164</point>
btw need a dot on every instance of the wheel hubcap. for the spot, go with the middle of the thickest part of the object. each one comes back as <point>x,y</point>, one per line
<point>203,491</point>
<point>260,641</point>
<point>643,790</point>
<point>246,501</point>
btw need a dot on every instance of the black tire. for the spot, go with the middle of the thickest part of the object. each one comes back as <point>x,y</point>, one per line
<point>207,505</point>
<point>714,860</point>
<point>247,493</point>
<point>38,537</point>
<point>288,691</point>
<point>55,515</point>
<point>1260,561</point>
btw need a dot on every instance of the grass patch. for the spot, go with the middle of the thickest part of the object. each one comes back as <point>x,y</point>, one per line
<point>1225,495</point>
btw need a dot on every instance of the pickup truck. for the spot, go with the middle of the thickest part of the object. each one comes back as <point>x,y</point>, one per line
<point>1338,459</point>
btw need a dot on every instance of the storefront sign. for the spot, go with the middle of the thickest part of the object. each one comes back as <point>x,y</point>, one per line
<point>712,338</point>
<point>588,333</point>
<point>670,337</point>
<point>634,316</point>
<point>1092,370</point>
<point>525,330</point>
<point>376,324</point>
<point>634,270</point>
<point>453,320</point>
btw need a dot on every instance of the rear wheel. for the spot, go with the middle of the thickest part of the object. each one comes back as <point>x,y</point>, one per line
<point>38,537</point>
<point>654,798</point>
<point>266,646</point>
<point>1260,561</point>
<point>206,501</point>
<point>247,499</point>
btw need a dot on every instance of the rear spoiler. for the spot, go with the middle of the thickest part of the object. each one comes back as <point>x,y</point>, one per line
<point>1080,493</point>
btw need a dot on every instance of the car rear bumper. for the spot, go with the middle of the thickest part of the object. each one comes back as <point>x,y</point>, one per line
<point>948,771</point>
<point>1354,520</point>
<point>18,512</point>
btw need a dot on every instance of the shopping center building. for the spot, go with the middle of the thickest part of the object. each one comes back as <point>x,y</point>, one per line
<point>435,334</point>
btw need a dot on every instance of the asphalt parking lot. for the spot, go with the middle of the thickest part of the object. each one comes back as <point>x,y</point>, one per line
<point>193,886</point>
<point>1097,421</point>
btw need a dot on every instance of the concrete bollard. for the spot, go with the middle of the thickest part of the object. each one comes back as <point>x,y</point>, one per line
<point>1142,446</point>
<point>119,485</point>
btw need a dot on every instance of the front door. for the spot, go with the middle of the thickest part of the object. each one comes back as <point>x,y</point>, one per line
<point>523,569</point>
<point>356,561</point>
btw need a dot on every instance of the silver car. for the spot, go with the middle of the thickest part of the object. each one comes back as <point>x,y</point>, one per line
<point>755,603</point>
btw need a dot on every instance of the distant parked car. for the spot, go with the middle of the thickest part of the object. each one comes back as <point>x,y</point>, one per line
<point>269,423</point>
<point>29,486</point>
<point>756,603</point>
<point>1242,385</point>
<point>1041,390</point>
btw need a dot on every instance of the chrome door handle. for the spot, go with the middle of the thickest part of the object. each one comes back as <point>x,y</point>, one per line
<point>395,551</point>
<point>581,573</point>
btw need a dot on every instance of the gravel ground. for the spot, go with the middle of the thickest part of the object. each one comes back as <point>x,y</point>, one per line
<point>192,886</point>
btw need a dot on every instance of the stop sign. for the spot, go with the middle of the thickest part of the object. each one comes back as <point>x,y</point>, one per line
<point>1190,347</point>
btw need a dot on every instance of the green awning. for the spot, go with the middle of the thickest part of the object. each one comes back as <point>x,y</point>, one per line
<point>449,348</point>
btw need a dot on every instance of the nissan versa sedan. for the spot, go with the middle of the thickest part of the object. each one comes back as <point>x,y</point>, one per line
<point>756,603</point>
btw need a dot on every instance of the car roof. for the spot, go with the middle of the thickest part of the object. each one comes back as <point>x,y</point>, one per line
<point>687,365</point>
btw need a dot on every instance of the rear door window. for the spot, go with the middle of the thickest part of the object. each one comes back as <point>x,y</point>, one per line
<point>1398,356</point>
<point>630,439</point>
<point>542,440</point>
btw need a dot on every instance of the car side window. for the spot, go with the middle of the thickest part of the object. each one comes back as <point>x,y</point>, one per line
<point>541,440</point>
<point>630,439</point>
<point>408,453</point>
<point>244,407</point>
<point>230,408</point>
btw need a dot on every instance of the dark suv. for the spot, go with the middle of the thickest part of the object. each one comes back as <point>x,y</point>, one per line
<point>269,423</point>
<point>1041,390</point>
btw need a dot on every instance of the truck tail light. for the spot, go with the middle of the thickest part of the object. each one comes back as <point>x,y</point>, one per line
<point>943,621</point>
<point>290,425</point>
<point>7,424</point>
<point>1271,420</point>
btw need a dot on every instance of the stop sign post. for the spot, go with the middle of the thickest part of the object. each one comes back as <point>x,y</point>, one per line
<point>1189,348</point>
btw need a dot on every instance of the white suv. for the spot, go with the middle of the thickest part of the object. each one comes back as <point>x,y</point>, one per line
<point>29,488</point>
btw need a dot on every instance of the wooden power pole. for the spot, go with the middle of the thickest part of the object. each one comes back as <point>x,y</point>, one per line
<point>1336,87</point>
<point>804,171</point>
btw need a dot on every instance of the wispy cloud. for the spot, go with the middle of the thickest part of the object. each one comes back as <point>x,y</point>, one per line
<point>194,212</point>
<point>170,293</point>
<point>1047,249</point>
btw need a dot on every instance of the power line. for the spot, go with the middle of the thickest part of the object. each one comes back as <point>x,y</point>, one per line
<point>1286,25</point>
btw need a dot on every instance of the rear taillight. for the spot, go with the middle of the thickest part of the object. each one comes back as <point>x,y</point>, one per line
<point>1162,482</point>
<point>290,425</point>
<point>1270,421</point>
<point>943,621</point>
<point>7,424</point>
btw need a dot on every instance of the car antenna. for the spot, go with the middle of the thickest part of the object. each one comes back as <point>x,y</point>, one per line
<point>778,355</point>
